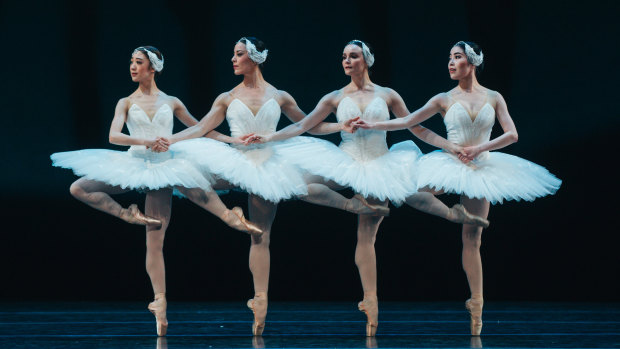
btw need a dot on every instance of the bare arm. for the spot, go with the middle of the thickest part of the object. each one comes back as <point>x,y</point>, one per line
<point>181,112</point>
<point>214,118</point>
<point>116,129</point>
<point>312,123</point>
<point>400,110</point>
<point>432,107</point>
<point>510,131</point>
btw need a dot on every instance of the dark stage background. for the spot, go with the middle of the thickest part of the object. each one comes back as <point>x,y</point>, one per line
<point>65,64</point>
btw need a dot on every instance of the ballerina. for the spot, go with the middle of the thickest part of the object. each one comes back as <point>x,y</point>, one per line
<point>363,161</point>
<point>475,172</point>
<point>254,106</point>
<point>147,166</point>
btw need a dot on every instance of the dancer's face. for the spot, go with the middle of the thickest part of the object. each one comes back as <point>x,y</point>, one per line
<point>140,67</point>
<point>353,60</point>
<point>458,66</point>
<point>242,64</point>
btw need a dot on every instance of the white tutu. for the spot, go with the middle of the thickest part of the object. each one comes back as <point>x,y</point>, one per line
<point>388,176</point>
<point>138,169</point>
<point>257,169</point>
<point>494,176</point>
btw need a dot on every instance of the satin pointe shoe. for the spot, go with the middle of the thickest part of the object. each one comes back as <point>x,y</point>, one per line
<point>133,215</point>
<point>370,306</point>
<point>158,308</point>
<point>367,209</point>
<point>465,217</point>
<point>258,305</point>
<point>236,220</point>
<point>474,306</point>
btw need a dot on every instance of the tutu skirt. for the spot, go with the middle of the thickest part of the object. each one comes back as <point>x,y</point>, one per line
<point>494,176</point>
<point>138,169</point>
<point>258,169</point>
<point>390,176</point>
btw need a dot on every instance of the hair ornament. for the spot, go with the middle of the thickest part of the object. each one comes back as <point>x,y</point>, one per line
<point>158,64</point>
<point>255,56</point>
<point>472,57</point>
<point>368,57</point>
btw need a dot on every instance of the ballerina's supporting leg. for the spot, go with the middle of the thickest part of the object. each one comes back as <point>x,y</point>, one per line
<point>262,213</point>
<point>427,202</point>
<point>366,262</point>
<point>472,263</point>
<point>158,205</point>
<point>210,201</point>
<point>321,192</point>
<point>97,195</point>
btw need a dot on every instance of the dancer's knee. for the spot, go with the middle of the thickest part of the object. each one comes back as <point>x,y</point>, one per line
<point>263,240</point>
<point>76,190</point>
<point>472,237</point>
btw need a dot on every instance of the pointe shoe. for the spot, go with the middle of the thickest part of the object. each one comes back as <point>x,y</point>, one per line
<point>259,308</point>
<point>158,308</point>
<point>368,209</point>
<point>467,218</point>
<point>370,306</point>
<point>236,220</point>
<point>133,215</point>
<point>474,306</point>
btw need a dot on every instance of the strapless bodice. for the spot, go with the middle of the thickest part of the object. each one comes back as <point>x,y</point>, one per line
<point>363,144</point>
<point>464,131</point>
<point>242,121</point>
<point>140,125</point>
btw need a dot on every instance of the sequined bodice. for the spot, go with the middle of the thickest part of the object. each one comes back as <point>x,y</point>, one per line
<point>242,121</point>
<point>363,144</point>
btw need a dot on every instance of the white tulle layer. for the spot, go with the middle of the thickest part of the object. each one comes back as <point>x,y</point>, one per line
<point>258,169</point>
<point>141,170</point>
<point>389,176</point>
<point>497,177</point>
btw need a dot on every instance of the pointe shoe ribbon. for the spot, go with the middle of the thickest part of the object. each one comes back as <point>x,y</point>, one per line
<point>158,308</point>
<point>467,218</point>
<point>375,210</point>
<point>244,224</point>
<point>137,217</point>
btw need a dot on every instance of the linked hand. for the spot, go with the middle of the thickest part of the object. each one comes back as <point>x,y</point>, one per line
<point>471,152</point>
<point>363,124</point>
<point>257,139</point>
<point>161,144</point>
<point>349,125</point>
<point>157,145</point>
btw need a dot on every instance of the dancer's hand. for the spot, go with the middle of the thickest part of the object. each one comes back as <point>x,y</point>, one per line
<point>241,140</point>
<point>454,148</point>
<point>162,144</point>
<point>157,145</point>
<point>464,159</point>
<point>471,152</point>
<point>257,139</point>
<point>349,125</point>
<point>363,124</point>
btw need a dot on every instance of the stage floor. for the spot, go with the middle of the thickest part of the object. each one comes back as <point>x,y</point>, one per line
<point>309,325</point>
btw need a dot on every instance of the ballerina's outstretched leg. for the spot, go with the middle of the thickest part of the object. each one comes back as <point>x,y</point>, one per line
<point>210,201</point>
<point>323,192</point>
<point>97,195</point>
<point>426,202</point>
